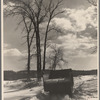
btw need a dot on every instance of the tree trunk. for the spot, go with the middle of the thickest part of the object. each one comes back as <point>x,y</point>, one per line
<point>28,62</point>
<point>54,64</point>
<point>28,67</point>
<point>38,56</point>
<point>45,43</point>
<point>38,50</point>
<point>44,56</point>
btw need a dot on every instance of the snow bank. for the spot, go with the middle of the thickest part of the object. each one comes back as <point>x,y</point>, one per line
<point>85,88</point>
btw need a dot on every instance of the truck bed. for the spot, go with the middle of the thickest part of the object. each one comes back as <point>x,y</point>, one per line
<point>59,81</point>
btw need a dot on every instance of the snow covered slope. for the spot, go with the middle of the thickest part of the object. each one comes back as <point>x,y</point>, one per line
<point>85,88</point>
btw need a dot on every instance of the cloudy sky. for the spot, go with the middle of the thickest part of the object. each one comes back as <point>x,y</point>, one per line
<point>79,23</point>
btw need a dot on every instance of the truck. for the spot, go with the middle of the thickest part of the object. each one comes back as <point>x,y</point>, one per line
<point>59,81</point>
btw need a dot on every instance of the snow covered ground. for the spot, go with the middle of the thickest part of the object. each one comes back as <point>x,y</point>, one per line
<point>85,88</point>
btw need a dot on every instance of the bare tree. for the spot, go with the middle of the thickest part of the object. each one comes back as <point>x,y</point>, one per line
<point>29,44</point>
<point>56,57</point>
<point>52,13</point>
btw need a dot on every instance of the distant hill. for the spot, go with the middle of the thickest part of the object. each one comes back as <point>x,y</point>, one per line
<point>11,75</point>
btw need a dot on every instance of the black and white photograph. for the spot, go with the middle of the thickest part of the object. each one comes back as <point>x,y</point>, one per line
<point>50,50</point>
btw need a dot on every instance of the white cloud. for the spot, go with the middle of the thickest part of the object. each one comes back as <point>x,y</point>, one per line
<point>8,51</point>
<point>77,19</point>
<point>63,22</point>
<point>72,42</point>
<point>74,46</point>
<point>12,52</point>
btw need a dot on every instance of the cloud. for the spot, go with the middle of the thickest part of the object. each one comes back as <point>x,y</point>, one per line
<point>14,59</point>
<point>71,41</point>
<point>9,51</point>
<point>12,52</point>
<point>83,17</point>
<point>77,19</point>
<point>63,22</point>
<point>74,46</point>
<point>89,31</point>
<point>81,31</point>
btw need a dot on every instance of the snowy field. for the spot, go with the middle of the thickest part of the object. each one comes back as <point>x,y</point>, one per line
<point>85,88</point>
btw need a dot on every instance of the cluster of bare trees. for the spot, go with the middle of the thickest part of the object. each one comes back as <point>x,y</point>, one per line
<point>31,14</point>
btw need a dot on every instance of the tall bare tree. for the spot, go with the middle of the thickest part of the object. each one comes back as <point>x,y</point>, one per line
<point>29,44</point>
<point>53,11</point>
